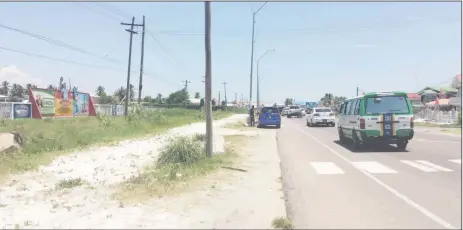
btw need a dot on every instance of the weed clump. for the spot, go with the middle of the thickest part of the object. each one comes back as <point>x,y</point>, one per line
<point>181,150</point>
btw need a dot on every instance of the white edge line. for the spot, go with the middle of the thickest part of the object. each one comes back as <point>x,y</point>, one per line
<point>407,200</point>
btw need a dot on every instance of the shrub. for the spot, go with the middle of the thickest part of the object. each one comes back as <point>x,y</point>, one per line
<point>181,150</point>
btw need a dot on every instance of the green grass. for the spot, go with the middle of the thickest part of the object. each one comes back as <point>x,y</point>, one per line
<point>45,139</point>
<point>425,124</point>
<point>69,183</point>
<point>180,165</point>
<point>282,223</point>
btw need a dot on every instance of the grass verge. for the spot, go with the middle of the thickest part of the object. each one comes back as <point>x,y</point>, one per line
<point>426,124</point>
<point>282,223</point>
<point>45,139</point>
<point>181,164</point>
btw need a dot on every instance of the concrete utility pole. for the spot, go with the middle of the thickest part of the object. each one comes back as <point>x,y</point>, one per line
<point>208,102</point>
<point>186,84</point>
<point>357,91</point>
<point>127,91</point>
<point>252,52</point>
<point>236,98</point>
<point>220,102</point>
<point>258,78</point>
<point>225,91</point>
<point>140,83</point>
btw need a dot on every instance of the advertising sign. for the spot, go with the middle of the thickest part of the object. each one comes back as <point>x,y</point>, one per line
<point>45,100</point>
<point>21,110</point>
<point>311,105</point>
<point>63,103</point>
<point>81,104</point>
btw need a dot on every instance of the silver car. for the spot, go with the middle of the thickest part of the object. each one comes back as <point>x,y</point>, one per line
<point>321,116</point>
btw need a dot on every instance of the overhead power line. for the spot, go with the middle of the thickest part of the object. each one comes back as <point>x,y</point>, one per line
<point>59,43</point>
<point>58,59</point>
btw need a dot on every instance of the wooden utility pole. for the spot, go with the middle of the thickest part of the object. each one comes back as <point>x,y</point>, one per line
<point>208,102</point>
<point>127,91</point>
<point>140,83</point>
<point>186,84</point>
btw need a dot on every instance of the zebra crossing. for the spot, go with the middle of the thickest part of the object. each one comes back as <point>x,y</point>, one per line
<point>374,167</point>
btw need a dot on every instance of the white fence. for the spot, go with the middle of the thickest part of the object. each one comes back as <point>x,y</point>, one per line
<point>438,116</point>
<point>7,112</point>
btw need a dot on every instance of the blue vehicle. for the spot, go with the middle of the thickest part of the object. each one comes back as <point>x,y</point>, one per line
<point>269,116</point>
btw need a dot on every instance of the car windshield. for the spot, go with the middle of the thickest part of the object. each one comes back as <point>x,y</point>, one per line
<point>386,104</point>
<point>294,107</point>
<point>322,110</point>
<point>270,110</point>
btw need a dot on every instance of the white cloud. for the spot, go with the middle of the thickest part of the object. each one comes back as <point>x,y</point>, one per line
<point>13,75</point>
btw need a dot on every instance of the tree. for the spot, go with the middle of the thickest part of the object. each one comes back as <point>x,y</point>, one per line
<point>178,97</point>
<point>213,102</point>
<point>30,86</point>
<point>288,101</point>
<point>17,91</point>
<point>132,92</point>
<point>159,99</point>
<point>201,102</point>
<point>120,94</point>
<point>197,96</point>
<point>4,90</point>
<point>224,103</point>
<point>148,99</point>
<point>100,91</point>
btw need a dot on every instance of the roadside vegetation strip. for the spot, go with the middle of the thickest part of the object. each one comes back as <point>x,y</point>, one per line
<point>180,165</point>
<point>452,131</point>
<point>45,139</point>
<point>428,124</point>
<point>282,223</point>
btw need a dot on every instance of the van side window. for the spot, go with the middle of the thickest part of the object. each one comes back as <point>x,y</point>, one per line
<point>357,107</point>
<point>348,104</point>
<point>352,107</point>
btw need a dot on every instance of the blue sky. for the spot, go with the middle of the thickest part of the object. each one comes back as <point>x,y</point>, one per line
<point>320,47</point>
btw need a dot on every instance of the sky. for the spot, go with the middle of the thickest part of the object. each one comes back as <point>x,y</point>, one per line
<point>320,48</point>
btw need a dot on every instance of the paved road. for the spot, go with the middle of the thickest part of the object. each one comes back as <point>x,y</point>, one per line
<point>329,186</point>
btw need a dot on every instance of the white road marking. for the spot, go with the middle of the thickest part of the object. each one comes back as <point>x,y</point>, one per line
<point>407,200</point>
<point>458,161</point>
<point>421,167</point>
<point>372,167</point>
<point>326,168</point>
<point>434,166</point>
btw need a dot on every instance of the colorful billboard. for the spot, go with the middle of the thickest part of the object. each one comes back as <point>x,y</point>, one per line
<point>63,103</point>
<point>81,105</point>
<point>45,100</point>
<point>60,103</point>
<point>21,110</point>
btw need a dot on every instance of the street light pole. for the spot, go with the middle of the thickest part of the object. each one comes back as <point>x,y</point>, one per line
<point>258,79</point>
<point>252,52</point>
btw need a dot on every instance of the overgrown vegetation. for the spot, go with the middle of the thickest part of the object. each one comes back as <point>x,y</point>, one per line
<point>69,183</point>
<point>282,223</point>
<point>44,139</point>
<point>181,162</point>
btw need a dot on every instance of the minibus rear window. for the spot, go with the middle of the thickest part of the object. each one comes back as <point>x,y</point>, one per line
<point>386,104</point>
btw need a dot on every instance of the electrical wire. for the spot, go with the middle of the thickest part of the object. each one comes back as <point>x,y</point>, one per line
<point>59,43</point>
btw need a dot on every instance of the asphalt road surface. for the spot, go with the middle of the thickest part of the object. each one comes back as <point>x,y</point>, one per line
<point>329,186</point>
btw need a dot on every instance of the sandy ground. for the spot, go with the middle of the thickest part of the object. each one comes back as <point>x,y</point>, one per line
<point>248,199</point>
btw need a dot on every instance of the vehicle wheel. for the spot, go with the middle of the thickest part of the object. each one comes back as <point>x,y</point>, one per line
<point>402,145</point>
<point>278,126</point>
<point>289,116</point>
<point>356,144</point>
<point>307,123</point>
<point>342,138</point>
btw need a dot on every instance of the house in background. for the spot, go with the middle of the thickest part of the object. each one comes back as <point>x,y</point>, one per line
<point>429,93</point>
<point>456,84</point>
